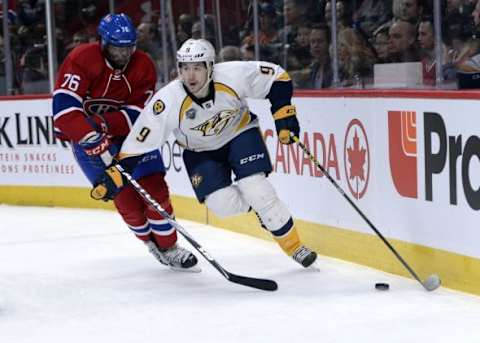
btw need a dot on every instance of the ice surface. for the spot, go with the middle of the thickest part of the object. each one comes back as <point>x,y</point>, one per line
<point>69,276</point>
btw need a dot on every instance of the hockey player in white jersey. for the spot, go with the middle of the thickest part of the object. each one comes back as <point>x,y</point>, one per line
<point>206,111</point>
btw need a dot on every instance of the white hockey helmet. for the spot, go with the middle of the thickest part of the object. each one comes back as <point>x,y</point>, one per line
<point>197,50</point>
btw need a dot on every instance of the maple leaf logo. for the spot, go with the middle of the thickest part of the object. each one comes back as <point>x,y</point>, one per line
<point>356,157</point>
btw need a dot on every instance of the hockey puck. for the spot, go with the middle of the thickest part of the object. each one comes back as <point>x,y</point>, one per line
<point>381,286</point>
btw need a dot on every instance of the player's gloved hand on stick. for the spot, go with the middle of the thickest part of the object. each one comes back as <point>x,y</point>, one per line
<point>110,184</point>
<point>286,124</point>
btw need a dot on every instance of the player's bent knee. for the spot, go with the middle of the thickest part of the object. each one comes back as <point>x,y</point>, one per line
<point>156,186</point>
<point>261,195</point>
<point>227,202</point>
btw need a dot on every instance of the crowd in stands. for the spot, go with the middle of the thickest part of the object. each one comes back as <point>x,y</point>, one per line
<point>371,35</point>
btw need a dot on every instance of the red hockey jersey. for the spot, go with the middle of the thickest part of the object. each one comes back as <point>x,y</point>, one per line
<point>87,84</point>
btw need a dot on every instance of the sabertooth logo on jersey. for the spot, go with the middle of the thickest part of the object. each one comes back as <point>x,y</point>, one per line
<point>216,124</point>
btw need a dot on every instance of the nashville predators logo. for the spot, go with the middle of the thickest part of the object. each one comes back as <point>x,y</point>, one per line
<point>196,180</point>
<point>216,124</point>
<point>158,107</point>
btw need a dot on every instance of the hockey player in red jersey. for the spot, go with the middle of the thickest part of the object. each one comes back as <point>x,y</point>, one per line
<point>100,91</point>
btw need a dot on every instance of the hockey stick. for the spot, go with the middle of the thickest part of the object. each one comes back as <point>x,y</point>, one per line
<point>431,283</point>
<point>263,284</point>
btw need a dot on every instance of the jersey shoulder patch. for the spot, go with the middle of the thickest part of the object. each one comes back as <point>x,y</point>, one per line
<point>164,99</point>
<point>158,107</point>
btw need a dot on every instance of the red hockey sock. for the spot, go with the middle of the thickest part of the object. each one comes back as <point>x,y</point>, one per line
<point>164,233</point>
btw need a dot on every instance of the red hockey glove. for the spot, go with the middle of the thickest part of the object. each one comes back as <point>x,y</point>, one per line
<point>98,122</point>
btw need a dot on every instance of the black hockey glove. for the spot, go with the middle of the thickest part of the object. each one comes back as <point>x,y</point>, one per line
<point>110,184</point>
<point>286,124</point>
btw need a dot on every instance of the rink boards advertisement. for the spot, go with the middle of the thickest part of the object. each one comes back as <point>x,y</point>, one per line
<point>29,152</point>
<point>410,165</point>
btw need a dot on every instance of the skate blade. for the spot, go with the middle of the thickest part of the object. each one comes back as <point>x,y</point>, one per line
<point>194,269</point>
<point>314,267</point>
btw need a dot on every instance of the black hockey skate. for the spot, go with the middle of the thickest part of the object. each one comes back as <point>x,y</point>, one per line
<point>175,257</point>
<point>304,256</point>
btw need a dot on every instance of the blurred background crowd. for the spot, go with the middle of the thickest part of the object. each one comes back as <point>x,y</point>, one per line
<point>322,43</point>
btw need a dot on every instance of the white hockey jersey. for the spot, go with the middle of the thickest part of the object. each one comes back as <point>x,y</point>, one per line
<point>207,126</point>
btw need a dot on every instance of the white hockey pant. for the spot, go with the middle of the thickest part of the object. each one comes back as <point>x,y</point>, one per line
<point>254,191</point>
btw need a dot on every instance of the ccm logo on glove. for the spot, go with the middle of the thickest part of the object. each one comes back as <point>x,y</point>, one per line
<point>95,143</point>
<point>286,123</point>
<point>99,149</point>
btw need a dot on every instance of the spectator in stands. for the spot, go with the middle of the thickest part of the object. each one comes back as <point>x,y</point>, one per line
<point>468,60</point>
<point>266,54</point>
<point>31,12</point>
<point>319,73</point>
<point>248,52</point>
<point>3,81</point>
<point>344,15</point>
<point>408,10</point>
<point>299,51</point>
<point>371,14</point>
<point>230,53</point>
<point>184,28</point>
<point>356,59</point>
<point>3,85</point>
<point>381,42</point>
<point>78,38</point>
<point>402,43</point>
<point>476,15</point>
<point>268,32</point>
<point>455,6</point>
<point>458,33</point>
<point>294,13</point>
<point>147,40</point>
<point>209,29</point>
<point>81,37</point>
<point>427,46</point>
<point>34,69</point>
<point>87,15</point>
<point>302,35</point>
<point>33,61</point>
<point>31,17</point>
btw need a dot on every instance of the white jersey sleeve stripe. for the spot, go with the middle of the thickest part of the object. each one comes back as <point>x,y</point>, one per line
<point>65,111</point>
<point>72,94</point>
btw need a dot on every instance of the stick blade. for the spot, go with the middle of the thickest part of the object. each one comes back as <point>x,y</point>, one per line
<point>263,284</point>
<point>432,282</point>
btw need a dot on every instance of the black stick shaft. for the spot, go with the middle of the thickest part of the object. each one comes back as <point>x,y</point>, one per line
<point>350,201</point>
